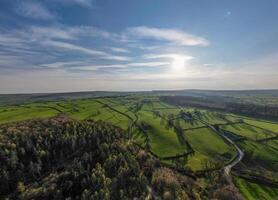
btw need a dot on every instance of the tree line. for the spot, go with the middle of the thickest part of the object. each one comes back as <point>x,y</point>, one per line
<point>250,109</point>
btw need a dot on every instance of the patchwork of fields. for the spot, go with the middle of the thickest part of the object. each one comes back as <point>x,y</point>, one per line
<point>181,137</point>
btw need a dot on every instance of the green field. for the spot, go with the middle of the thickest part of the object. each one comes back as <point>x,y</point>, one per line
<point>253,191</point>
<point>212,117</point>
<point>153,124</point>
<point>271,126</point>
<point>248,131</point>
<point>163,142</point>
<point>263,154</point>
<point>19,113</point>
<point>207,146</point>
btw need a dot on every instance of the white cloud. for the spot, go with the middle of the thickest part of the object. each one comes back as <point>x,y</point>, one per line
<point>61,64</point>
<point>208,64</point>
<point>39,32</point>
<point>119,50</point>
<point>118,58</point>
<point>53,42</point>
<point>173,36</point>
<point>87,66</point>
<point>171,56</point>
<point>127,65</point>
<point>73,47</point>
<point>69,32</point>
<point>84,3</point>
<point>94,67</point>
<point>69,46</point>
<point>34,10</point>
<point>147,64</point>
<point>10,40</point>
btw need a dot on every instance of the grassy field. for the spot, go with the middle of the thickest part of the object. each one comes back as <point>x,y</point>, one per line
<point>271,126</point>
<point>272,144</point>
<point>20,113</point>
<point>211,117</point>
<point>253,191</point>
<point>123,111</point>
<point>207,146</point>
<point>259,123</point>
<point>261,153</point>
<point>248,131</point>
<point>163,142</point>
<point>190,124</point>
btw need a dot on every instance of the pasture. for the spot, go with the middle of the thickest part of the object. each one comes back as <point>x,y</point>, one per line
<point>253,191</point>
<point>163,129</point>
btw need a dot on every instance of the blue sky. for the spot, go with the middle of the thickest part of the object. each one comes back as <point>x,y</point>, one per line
<point>79,45</point>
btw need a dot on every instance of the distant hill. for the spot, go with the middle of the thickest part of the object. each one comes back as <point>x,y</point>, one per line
<point>249,96</point>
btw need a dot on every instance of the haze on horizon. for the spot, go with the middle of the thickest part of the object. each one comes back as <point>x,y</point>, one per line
<point>79,45</point>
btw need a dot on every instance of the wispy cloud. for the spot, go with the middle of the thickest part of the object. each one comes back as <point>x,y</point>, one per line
<point>73,47</point>
<point>34,10</point>
<point>167,56</point>
<point>39,32</point>
<point>118,58</point>
<point>59,38</point>
<point>84,3</point>
<point>69,46</point>
<point>174,36</point>
<point>69,32</point>
<point>10,40</point>
<point>147,64</point>
<point>208,64</point>
<point>88,66</point>
<point>56,65</point>
<point>119,50</point>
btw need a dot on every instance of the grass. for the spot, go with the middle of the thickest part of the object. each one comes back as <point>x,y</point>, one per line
<point>190,124</point>
<point>272,144</point>
<point>167,111</point>
<point>16,113</point>
<point>260,151</point>
<point>253,191</point>
<point>263,124</point>
<point>163,142</point>
<point>77,109</point>
<point>260,123</point>
<point>211,117</point>
<point>248,131</point>
<point>207,145</point>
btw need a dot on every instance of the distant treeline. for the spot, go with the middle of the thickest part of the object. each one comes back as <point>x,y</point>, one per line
<point>255,110</point>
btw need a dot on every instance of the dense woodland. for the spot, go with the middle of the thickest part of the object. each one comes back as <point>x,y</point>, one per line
<point>60,158</point>
<point>254,110</point>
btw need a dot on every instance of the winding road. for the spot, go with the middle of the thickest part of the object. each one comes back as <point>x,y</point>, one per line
<point>239,155</point>
<point>227,168</point>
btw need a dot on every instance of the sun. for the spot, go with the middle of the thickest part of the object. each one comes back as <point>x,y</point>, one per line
<point>178,63</point>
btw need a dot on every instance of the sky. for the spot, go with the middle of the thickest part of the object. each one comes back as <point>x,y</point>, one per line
<point>136,45</point>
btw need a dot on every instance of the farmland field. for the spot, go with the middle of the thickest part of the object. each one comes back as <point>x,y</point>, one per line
<point>208,146</point>
<point>250,132</point>
<point>253,191</point>
<point>183,137</point>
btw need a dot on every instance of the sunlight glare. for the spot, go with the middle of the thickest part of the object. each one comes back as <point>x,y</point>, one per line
<point>178,63</point>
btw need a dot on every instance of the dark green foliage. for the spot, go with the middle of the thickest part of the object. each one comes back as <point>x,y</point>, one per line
<point>244,108</point>
<point>60,158</point>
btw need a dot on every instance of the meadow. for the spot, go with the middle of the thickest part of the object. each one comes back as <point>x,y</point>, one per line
<point>180,137</point>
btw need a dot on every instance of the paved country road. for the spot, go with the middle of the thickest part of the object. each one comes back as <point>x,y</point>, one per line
<point>240,154</point>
